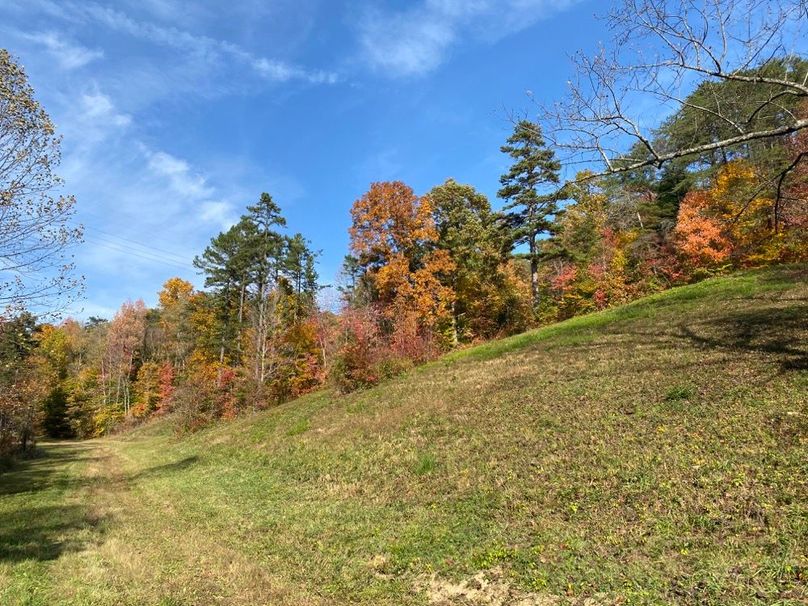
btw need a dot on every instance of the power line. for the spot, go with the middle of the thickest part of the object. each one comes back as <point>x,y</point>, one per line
<point>182,258</point>
<point>100,233</point>
<point>123,243</point>
<point>135,249</point>
<point>138,253</point>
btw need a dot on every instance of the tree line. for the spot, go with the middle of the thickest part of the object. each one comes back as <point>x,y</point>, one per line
<point>444,269</point>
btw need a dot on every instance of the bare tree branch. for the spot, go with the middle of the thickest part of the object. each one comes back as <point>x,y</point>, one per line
<point>659,160</point>
<point>35,230</point>
<point>662,52</point>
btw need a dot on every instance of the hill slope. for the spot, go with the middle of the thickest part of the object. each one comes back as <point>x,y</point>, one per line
<point>651,454</point>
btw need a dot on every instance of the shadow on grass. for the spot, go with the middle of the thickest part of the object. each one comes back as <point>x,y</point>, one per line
<point>47,472</point>
<point>162,470</point>
<point>36,520</point>
<point>45,468</point>
<point>778,332</point>
<point>44,533</point>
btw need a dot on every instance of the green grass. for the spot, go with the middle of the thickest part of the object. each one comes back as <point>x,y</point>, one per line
<point>655,453</point>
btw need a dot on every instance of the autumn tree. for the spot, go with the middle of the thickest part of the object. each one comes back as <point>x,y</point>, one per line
<point>468,231</point>
<point>732,221</point>
<point>394,239</point>
<point>124,342</point>
<point>586,257</point>
<point>174,308</point>
<point>262,283</point>
<point>699,231</point>
<point>150,391</point>
<point>35,225</point>
<point>719,109</point>
<point>739,55</point>
<point>20,389</point>
<point>58,347</point>
<point>529,210</point>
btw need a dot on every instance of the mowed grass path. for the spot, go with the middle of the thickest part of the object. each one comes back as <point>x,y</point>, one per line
<point>656,453</point>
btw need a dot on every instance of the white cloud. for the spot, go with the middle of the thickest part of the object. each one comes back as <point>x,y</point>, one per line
<point>98,108</point>
<point>182,180</point>
<point>282,72</point>
<point>169,10</point>
<point>148,204</point>
<point>86,123</point>
<point>218,213</point>
<point>68,54</point>
<point>137,201</point>
<point>404,45</point>
<point>419,39</point>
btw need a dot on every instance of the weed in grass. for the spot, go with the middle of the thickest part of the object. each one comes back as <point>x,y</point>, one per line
<point>426,463</point>
<point>677,393</point>
<point>301,426</point>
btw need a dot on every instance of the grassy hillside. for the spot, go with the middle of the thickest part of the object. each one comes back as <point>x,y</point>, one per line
<point>651,454</point>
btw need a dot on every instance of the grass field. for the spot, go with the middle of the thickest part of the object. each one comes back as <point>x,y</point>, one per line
<point>651,454</point>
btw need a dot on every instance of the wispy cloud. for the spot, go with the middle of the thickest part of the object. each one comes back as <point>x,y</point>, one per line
<point>144,208</point>
<point>68,54</point>
<point>418,40</point>
<point>204,48</point>
<point>90,120</point>
<point>177,172</point>
<point>218,213</point>
<point>282,72</point>
<point>149,200</point>
<point>98,108</point>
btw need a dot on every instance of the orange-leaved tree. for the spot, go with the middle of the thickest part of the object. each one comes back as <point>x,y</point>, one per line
<point>732,221</point>
<point>699,233</point>
<point>393,236</point>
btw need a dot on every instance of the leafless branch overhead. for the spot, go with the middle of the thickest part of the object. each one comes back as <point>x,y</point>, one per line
<point>661,52</point>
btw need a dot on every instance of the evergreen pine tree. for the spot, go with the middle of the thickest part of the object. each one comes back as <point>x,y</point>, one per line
<point>529,213</point>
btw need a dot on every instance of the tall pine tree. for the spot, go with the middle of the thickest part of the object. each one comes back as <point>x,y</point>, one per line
<point>266,250</point>
<point>529,213</point>
<point>301,274</point>
<point>226,266</point>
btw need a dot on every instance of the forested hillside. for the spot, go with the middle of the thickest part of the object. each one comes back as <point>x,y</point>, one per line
<point>654,453</point>
<point>426,274</point>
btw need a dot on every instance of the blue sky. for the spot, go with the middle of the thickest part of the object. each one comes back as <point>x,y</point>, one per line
<point>176,115</point>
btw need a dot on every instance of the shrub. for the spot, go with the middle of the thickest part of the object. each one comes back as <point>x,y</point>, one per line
<point>106,419</point>
<point>208,392</point>
<point>361,350</point>
<point>411,341</point>
<point>368,353</point>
